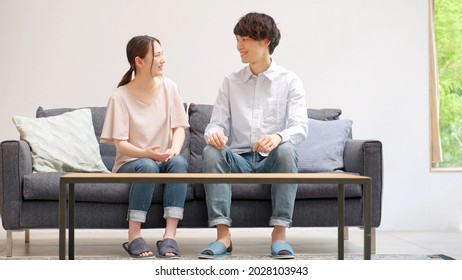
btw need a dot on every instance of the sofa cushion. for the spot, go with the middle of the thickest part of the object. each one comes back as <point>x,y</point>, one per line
<point>62,143</point>
<point>98,113</point>
<point>45,186</point>
<point>304,191</point>
<point>322,150</point>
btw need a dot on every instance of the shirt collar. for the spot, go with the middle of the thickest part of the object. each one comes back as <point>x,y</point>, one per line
<point>270,73</point>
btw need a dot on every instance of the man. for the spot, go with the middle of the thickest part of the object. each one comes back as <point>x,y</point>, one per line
<point>260,112</point>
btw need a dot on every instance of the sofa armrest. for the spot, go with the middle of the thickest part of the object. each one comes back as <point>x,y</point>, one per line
<point>365,158</point>
<point>15,162</point>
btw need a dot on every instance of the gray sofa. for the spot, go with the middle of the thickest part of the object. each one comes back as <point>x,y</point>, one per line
<point>29,200</point>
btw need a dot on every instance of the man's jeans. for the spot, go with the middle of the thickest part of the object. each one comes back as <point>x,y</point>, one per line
<point>283,159</point>
<point>140,197</point>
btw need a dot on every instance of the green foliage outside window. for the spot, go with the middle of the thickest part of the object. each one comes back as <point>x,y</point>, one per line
<point>448,36</point>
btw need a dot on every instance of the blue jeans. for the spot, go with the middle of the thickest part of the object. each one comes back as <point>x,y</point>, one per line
<point>283,159</point>
<point>140,197</point>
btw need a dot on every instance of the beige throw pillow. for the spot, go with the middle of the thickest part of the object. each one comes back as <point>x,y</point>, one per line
<point>64,143</point>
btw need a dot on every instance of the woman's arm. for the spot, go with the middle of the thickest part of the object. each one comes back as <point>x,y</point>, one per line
<point>128,149</point>
<point>177,140</point>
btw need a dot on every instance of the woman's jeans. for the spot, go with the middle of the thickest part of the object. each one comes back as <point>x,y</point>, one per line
<point>140,196</point>
<point>283,159</point>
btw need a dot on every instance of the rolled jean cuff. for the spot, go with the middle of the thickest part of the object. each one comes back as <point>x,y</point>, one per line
<point>278,221</point>
<point>136,216</point>
<point>220,221</point>
<point>173,212</point>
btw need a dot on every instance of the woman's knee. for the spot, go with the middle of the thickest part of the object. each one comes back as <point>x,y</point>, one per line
<point>178,164</point>
<point>146,165</point>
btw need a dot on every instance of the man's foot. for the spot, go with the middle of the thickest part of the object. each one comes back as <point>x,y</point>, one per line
<point>282,250</point>
<point>216,250</point>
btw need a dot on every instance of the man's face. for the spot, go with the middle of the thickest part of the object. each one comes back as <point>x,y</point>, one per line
<point>250,50</point>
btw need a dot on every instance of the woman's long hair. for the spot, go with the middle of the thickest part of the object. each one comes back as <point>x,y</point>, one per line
<point>137,46</point>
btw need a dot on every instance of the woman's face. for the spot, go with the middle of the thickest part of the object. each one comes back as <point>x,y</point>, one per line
<point>153,62</point>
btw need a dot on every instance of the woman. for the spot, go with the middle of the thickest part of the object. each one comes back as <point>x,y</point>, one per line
<point>145,120</point>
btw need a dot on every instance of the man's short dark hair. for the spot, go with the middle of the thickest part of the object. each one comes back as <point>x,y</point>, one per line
<point>258,27</point>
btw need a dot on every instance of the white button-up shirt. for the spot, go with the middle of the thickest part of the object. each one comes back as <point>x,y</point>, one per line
<point>248,107</point>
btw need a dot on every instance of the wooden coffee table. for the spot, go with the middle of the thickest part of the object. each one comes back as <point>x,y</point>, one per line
<point>68,181</point>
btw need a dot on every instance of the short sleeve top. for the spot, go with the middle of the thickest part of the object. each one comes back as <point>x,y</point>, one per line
<point>143,124</point>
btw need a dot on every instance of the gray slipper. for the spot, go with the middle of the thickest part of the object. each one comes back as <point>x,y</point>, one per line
<point>165,246</point>
<point>136,247</point>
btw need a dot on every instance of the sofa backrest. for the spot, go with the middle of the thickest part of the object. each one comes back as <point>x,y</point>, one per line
<point>199,117</point>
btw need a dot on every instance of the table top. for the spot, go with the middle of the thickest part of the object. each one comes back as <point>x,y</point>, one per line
<point>259,178</point>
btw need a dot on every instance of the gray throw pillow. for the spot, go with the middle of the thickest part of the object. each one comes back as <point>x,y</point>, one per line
<point>322,150</point>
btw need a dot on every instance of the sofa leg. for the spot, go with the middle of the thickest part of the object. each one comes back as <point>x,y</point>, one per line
<point>9,243</point>
<point>345,233</point>
<point>27,236</point>
<point>373,240</point>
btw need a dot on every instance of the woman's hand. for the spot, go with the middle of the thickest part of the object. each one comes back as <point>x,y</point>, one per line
<point>171,152</point>
<point>152,152</point>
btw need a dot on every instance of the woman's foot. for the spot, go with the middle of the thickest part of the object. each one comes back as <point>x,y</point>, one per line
<point>167,248</point>
<point>138,248</point>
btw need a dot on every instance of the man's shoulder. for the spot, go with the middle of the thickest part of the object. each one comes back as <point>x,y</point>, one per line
<point>240,74</point>
<point>283,71</point>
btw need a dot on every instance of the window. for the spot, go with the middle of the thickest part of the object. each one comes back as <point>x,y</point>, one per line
<point>447,24</point>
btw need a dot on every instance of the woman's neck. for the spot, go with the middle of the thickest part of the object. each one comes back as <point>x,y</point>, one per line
<point>145,83</point>
<point>144,89</point>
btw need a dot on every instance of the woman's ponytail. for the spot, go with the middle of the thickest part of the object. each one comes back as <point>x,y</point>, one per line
<point>126,78</point>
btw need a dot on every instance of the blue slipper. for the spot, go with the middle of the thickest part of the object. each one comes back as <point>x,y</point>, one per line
<point>280,249</point>
<point>218,250</point>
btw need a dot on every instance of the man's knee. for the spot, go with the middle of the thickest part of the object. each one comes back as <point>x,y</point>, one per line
<point>286,151</point>
<point>211,152</point>
<point>213,157</point>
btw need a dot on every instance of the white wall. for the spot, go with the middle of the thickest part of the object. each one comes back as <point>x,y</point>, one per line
<point>367,57</point>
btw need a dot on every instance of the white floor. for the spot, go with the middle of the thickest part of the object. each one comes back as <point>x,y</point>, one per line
<point>107,243</point>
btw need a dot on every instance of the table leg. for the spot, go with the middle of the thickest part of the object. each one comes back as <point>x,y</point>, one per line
<point>71,220</point>
<point>367,218</point>
<point>341,221</point>
<point>62,221</point>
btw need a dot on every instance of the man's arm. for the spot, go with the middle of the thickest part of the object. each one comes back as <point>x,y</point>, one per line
<point>297,118</point>
<point>219,124</point>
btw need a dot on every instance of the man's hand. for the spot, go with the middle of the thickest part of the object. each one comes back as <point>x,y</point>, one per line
<point>267,143</point>
<point>218,140</point>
